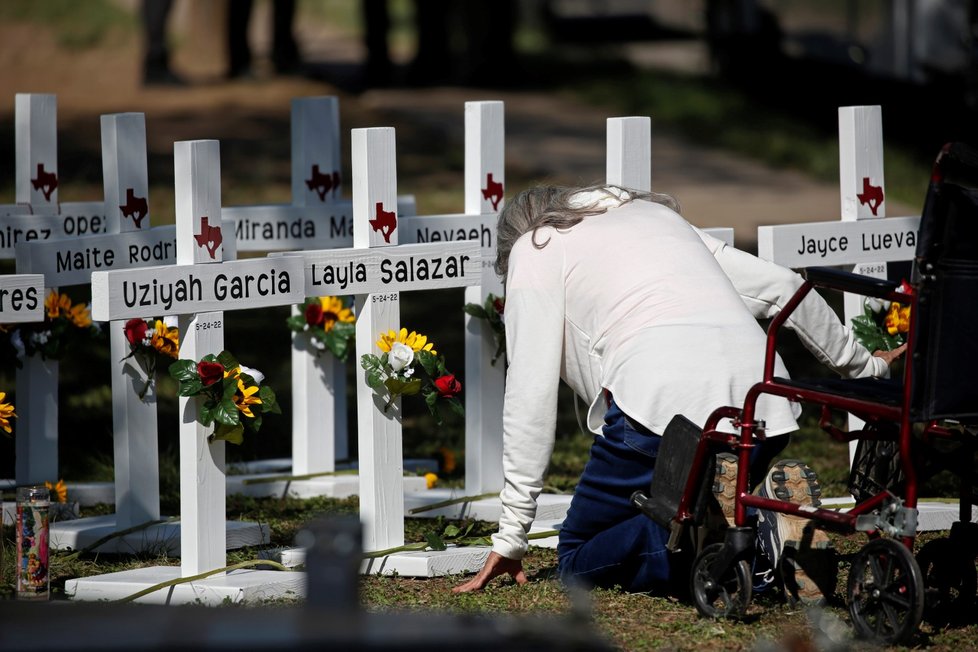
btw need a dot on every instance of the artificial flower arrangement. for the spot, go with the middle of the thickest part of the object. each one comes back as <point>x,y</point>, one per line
<point>59,490</point>
<point>329,322</point>
<point>883,326</point>
<point>6,413</point>
<point>231,395</point>
<point>64,325</point>
<point>492,311</point>
<point>149,339</point>
<point>398,372</point>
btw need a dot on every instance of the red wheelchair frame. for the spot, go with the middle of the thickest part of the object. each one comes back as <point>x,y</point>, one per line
<point>887,588</point>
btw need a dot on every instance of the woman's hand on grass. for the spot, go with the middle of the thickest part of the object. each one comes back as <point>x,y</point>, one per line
<point>495,566</point>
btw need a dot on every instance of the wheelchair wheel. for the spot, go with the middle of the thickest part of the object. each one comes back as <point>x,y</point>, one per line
<point>886,592</point>
<point>728,598</point>
<point>950,582</point>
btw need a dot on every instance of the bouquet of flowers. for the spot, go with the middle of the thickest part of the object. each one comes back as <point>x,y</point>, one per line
<point>231,395</point>
<point>398,371</point>
<point>149,339</point>
<point>65,324</point>
<point>492,312</point>
<point>329,323</point>
<point>6,413</point>
<point>883,326</point>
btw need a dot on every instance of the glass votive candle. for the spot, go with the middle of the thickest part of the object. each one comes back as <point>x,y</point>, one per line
<point>33,581</point>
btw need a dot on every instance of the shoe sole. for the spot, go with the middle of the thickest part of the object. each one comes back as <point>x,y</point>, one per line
<point>725,485</point>
<point>794,481</point>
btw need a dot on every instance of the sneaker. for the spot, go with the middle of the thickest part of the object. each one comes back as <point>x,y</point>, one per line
<point>725,485</point>
<point>800,554</point>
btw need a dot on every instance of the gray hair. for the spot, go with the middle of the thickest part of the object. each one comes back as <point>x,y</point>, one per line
<point>551,206</point>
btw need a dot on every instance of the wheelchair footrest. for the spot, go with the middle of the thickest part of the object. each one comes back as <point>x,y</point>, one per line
<point>675,460</point>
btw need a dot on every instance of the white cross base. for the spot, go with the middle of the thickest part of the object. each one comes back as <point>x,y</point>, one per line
<point>159,538</point>
<point>243,585</point>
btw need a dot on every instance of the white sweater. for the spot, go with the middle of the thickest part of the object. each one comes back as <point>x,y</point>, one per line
<point>664,316</point>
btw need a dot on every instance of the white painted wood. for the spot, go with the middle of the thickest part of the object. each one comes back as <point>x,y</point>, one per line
<point>71,261</point>
<point>76,219</point>
<point>316,161</point>
<point>21,298</point>
<point>485,183</point>
<point>36,144</point>
<point>125,176</point>
<point>182,289</point>
<point>243,585</point>
<point>629,146</point>
<point>378,431</point>
<point>318,414</point>
<point>161,539</point>
<point>36,447</point>
<point>839,243</point>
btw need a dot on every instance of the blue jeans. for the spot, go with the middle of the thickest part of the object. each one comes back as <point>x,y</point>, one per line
<point>604,540</point>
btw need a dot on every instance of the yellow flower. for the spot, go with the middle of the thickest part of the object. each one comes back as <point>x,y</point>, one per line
<point>57,304</point>
<point>166,340</point>
<point>80,316</point>
<point>431,479</point>
<point>6,413</point>
<point>334,311</point>
<point>897,319</point>
<point>245,397</point>
<point>416,341</point>
<point>60,490</point>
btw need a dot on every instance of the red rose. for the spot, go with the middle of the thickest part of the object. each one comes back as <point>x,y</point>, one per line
<point>210,372</point>
<point>135,330</point>
<point>448,386</point>
<point>314,314</point>
<point>499,305</point>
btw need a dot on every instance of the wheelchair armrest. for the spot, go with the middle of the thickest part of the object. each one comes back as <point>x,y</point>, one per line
<point>837,279</point>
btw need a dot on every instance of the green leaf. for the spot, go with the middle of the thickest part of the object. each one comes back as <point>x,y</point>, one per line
<point>434,541</point>
<point>205,413</point>
<point>475,310</point>
<point>269,401</point>
<point>374,380</point>
<point>296,323</point>
<point>456,406</point>
<point>404,387</point>
<point>451,531</point>
<point>429,362</point>
<point>370,362</point>
<point>230,434</point>
<point>183,370</point>
<point>431,400</point>
<point>191,387</point>
<point>225,412</point>
<point>227,360</point>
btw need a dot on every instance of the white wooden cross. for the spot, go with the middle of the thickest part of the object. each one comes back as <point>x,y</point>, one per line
<point>318,218</point>
<point>39,216</point>
<point>862,240</point>
<point>376,272</point>
<point>485,182</point>
<point>198,289</point>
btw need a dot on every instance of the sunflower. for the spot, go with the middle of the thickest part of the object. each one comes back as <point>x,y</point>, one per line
<point>334,310</point>
<point>6,413</point>
<point>245,397</point>
<point>166,340</point>
<point>414,340</point>
<point>60,490</point>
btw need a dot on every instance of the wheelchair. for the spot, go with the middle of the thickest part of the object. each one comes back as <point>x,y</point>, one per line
<point>915,425</point>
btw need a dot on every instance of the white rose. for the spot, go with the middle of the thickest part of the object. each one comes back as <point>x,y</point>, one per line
<point>254,373</point>
<point>18,343</point>
<point>877,305</point>
<point>400,356</point>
